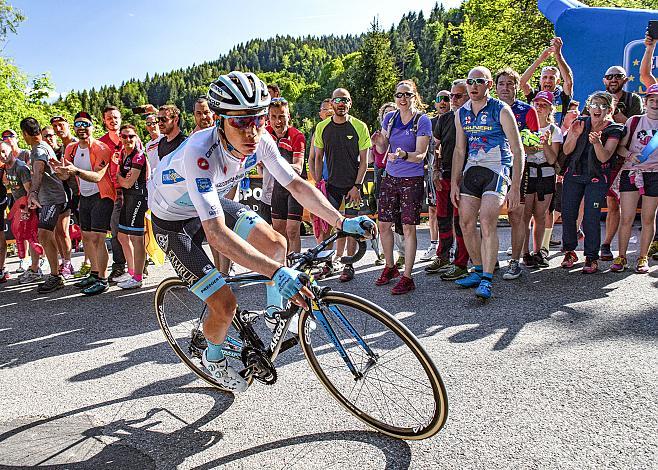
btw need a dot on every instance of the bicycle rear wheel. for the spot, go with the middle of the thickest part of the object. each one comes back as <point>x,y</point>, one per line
<point>393,386</point>
<point>180,314</point>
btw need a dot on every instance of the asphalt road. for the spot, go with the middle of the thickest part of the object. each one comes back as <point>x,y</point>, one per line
<point>558,370</point>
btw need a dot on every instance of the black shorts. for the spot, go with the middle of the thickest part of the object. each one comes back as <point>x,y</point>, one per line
<point>95,213</point>
<point>49,215</point>
<point>650,183</point>
<point>265,211</point>
<point>182,242</point>
<point>479,181</point>
<point>131,217</point>
<point>284,206</point>
<point>542,186</point>
<point>336,195</point>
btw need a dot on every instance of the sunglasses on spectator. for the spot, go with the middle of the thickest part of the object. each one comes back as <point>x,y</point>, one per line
<point>406,94</point>
<point>82,124</point>
<point>7,137</point>
<point>128,136</point>
<point>477,81</point>
<point>438,99</point>
<point>600,106</point>
<point>279,101</point>
<point>164,118</point>
<point>151,123</point>
<point>244,122</point>
<point>341,99</point>
<point>456,96</point>
<point>618,76</point>
<point>45,136</point>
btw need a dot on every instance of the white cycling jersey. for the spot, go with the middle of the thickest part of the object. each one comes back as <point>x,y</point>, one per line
<point>189,182</point>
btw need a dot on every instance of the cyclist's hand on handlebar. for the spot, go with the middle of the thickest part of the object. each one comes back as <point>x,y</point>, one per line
<point>361,225</point>
<point>291,285</point>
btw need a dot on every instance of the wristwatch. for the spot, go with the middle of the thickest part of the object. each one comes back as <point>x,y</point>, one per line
<point>406,155</point>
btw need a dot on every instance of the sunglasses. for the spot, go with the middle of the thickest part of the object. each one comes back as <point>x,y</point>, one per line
<point>406,94</point>
<point>244,122</point>
<point>341,99</point>
<point>618,76</point>
<point>7,137</point>
<point>445,99</point>
<point>151,123</point>
<point>477,81</point>
<point>128,136</point>
<point>456,96</point>
<point>164,118</point>
<point>45,136</point>
<point>82,124</point>
<point>598,106</point>
<point>279,101</point>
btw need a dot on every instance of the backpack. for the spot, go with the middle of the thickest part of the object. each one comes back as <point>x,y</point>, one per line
<point>396,114</point>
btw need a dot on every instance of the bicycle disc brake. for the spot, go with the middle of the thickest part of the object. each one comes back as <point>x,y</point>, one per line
<point>258,365</point>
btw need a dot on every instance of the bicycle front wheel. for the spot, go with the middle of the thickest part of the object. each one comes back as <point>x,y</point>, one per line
<point>374,366</point>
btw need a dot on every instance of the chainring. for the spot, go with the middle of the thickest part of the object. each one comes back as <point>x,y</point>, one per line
<point>262,368</point>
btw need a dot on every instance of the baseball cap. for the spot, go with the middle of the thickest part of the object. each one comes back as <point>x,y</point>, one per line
<point>83,115</point>
<point>615,69</point>
<point>57,118</point>
<point>9,132</point>
<point>546,96</point>
<point>652,90</point>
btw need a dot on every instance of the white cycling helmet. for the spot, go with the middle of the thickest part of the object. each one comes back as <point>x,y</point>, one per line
<point>238,91</point>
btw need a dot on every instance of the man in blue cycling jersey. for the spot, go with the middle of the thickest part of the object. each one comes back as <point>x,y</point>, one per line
<point>185,197</point>
<point>487,133</point>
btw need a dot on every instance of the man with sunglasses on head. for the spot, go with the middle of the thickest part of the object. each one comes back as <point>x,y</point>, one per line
<point>343,141</point>
<point>445,134</point>
<point>487,130</point>
<point>185,196</point>
<point>10,137</point>
<point>551,79</point>
<point>89,161</point>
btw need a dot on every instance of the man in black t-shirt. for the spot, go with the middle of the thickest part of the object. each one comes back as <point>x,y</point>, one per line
<point>169,124</point>
<point>446,213</point>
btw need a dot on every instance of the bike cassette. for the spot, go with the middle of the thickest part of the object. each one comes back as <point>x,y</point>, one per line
<point>258,366</point>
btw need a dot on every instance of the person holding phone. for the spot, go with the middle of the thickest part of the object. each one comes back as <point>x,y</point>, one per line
<point>650,40</point>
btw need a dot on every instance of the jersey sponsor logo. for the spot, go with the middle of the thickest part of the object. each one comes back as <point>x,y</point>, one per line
<point>207,268</point>
<point>185,274</point>
<point>483,117</point>
<point>203,163</point>
<point>171,177</point>
<point>350,137</point>
<point>162,239</point>
<point>250,161</point>
<point>204,185</point>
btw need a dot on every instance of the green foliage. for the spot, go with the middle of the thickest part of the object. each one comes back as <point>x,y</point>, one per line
<point>10,18</point>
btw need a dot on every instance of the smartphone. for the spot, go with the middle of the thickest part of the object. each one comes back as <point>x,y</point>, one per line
<point>652,29</point>
<point>139,109</point>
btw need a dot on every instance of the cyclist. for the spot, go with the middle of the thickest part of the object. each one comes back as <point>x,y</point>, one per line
<point>185,196</point>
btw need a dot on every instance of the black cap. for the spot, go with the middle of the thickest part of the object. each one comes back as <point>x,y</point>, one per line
<point>83,115</point>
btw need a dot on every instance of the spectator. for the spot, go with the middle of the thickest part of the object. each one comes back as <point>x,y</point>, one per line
<point>11,138</point>
<point>589,148</point>
<point>151,123</point>
<point>5,152</point>
<point>639,180</point>
<point>275,91</point>
<point>646,65</point>
<point>132,179</point>
<point>203,116</point>
<point>321,228</point>
<point>344,141</point>
<point>626,105</point>
<point>550,79</point>
<point>89,160</point>
<point>447,214</point>
<point>405,137</point>
<point>112,122</point>
<point>47,194</point>
<point>286,211</point>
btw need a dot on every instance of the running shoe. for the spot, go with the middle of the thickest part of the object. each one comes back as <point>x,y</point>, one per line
<point>653,249</point>
<point>403,286</point>
<point>30,276</point>
<point>125,277</point>
<point>96,288</point>
<point>439,265</point>
<point>328,270</point>
<point>85,269</point>
<point>453,273</point>
<point>619,264</point>
<point>514,270</point>
<point>85,282</point>
<point>229,379</point>
<point>544,251</point>
<point>52,284</point>
<point>387,275</point>
<point>116,275</point>
<point>20,269</point>
<point>66,270</point>
<point>483,291</point>
<point>380,261</point>
<point>509,251</point>
<point>642,265</point>
<point>430,253</point>
<point>540,260</point>
<point>4,276</point>
<point>131,283</point>
<point>529,260</point>
<point>606,253</point>
<point>591,266</point>
<point>400,262</point>
<point>347,274</point>
<point>570,258</point>
<point>145,271</point>
<point>554,243</point>
<point>472,280</point>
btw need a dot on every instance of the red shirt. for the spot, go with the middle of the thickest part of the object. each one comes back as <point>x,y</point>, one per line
<point>116,157</point>
<point>291,146</point>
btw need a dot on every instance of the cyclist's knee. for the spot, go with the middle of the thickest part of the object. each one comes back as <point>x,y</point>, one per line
<point>223,301</point>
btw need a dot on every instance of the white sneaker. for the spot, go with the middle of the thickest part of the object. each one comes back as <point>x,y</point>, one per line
<point>229,379</point>
<point>131,283</point>
<point>20,269</point>
<point>121,279</point>
<point>430,253</point>
<point>509,251</point>
<point>30,276</point>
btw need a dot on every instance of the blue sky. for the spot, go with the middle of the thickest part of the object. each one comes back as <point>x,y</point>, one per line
<point>87,43</point>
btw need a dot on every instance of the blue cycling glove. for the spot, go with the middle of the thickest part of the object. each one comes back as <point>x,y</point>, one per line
<point>288,281</point>
<point>358,225</point>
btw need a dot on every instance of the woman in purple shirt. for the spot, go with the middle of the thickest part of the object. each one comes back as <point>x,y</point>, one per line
<point>405,137</point>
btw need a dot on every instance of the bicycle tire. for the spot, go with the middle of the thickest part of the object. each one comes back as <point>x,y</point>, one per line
<point>423,428</point>
<point>176,339</point>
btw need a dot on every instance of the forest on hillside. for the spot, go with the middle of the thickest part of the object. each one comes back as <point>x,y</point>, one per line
<point>432,50</point>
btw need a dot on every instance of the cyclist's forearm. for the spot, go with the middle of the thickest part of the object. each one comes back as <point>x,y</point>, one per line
<point>224,240</point>
<point>314,200</point>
